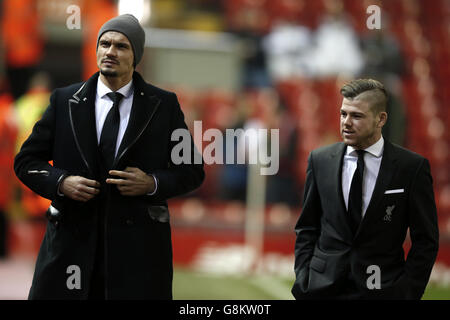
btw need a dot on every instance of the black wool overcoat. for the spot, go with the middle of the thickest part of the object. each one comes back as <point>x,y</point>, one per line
<point>137,235</point>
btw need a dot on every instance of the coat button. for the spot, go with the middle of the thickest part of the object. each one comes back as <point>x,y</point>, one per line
<point>129,222</point>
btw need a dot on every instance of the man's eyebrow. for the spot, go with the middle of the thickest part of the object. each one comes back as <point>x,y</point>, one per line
<point>353,112</point>
<point>118,43</point>
<point>356,113</point>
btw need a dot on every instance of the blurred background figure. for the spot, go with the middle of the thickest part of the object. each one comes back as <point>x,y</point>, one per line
<point>23,42</point>
<point>384,60</point>
<point>8,134</point>
<point>337,50</point>
<point>249,23</point>
<point>236,64</point>
<point>288,48</point>
<point>29,109</point>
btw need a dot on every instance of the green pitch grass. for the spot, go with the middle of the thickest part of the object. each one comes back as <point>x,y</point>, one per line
<point>192,285</point>
<point>435,292</point>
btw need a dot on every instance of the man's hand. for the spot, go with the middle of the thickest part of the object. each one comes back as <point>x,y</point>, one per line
<point>133,182</point>
<point>79,188</point>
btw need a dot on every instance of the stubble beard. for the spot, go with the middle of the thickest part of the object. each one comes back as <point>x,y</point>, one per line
<point>108,73</point>
<point>362,142</point>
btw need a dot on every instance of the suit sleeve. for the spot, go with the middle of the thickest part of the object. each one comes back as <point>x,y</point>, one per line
<point>31,164</point>
<point>424,231</point>
<point>307,230</point>
<point>179,178</point>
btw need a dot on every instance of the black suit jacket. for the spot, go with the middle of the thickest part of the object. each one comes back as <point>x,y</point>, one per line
<point>137,232</point>
<point>331,262</point>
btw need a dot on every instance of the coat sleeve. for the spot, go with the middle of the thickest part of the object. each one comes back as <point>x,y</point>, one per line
<point>179,178</point>
<point>307,231</point>
<point>31,164</point>
<point>424,231</point>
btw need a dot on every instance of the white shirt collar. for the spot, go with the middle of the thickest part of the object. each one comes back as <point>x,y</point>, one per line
<point>376,149</point>
<point>102,89</point>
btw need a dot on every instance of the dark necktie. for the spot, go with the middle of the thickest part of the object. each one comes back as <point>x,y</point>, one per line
<point>355,196</point>
<point>108,137</point>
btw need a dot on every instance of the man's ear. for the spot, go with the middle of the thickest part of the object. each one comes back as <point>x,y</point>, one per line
<point>382,119</point>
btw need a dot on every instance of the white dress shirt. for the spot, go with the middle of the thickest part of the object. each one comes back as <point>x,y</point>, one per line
<point>372,163</point>
<point>103,104</point>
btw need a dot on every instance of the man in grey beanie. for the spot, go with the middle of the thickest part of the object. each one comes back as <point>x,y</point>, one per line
<point>108,232</point>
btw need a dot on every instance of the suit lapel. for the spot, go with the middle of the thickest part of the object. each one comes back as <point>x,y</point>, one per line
<point>387,170</point>
<point>144,107</point>
<point>82,120</point>
<point>335,166</point>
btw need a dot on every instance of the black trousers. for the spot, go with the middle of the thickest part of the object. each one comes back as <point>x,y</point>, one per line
<point>98,289</point>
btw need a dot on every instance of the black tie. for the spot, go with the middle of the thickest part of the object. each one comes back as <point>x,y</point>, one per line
<point>108,138</point>
<point>355,196</point>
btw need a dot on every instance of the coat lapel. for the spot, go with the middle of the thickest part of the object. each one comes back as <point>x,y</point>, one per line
<point>144,107</point>
<point>82,121</point>
<point>387,170</point>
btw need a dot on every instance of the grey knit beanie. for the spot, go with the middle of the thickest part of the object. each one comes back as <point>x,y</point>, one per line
<point>128,25</point>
